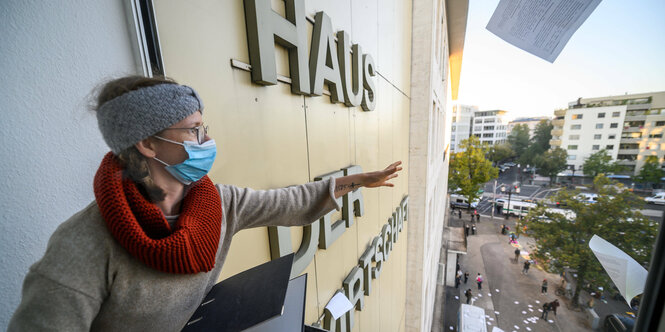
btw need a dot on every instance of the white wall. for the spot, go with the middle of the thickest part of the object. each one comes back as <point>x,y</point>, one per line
<point>53,53</point>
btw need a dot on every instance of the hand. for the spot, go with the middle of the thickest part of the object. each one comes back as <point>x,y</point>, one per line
<point>380,178</point>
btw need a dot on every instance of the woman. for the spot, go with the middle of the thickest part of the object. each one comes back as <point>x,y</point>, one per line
<point>143,255</point>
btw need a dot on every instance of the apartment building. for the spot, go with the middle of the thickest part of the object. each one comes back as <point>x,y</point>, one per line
<point>630,127</point>
<point>490,126</point>
<point>462,125</point>
<point>530,122</point>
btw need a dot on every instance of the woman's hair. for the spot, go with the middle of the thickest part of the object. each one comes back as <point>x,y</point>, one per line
<point>134,163</point>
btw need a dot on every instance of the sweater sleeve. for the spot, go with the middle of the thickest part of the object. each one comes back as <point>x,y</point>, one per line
<point>47,305</point>
<point>290,206</point>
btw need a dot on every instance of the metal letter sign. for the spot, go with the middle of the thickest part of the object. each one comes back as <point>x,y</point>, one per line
<point>265,28</point>
<point>350,78</point>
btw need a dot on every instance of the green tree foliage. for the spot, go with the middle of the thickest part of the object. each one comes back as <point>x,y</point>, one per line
<point>551,163</point>
<point>540,142</point>
<point>650,173</point>
<point>519,139</point>
<point>561,242</point>
<point>469,169</point>
<point>499,152</point>
<point>600,162</point>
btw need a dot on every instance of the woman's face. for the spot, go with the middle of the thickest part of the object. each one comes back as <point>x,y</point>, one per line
<point>172,153</point>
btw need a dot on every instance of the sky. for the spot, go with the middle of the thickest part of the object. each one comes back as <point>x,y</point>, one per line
<point>619,49</point>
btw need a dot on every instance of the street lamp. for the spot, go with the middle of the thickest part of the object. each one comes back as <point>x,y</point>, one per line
<point>513,189</point>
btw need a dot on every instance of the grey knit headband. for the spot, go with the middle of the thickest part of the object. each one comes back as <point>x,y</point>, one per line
<point>136,115</point>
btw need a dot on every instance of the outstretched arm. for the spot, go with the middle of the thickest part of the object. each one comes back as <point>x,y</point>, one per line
<point>369,179</point>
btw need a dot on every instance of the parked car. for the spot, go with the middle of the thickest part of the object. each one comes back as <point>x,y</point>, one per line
<point>618,323</point>
<point>587,198</point>
<point>460,201</point>
<point>658,198</point>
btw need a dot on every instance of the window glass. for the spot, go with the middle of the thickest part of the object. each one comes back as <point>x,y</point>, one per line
<point>574,137</point>
<point>614,125</point>
<point>577,116</point>
<point>572,147</point>
<point>601,115</point>
<point>609,147</point>
<point>576,127</point>
<point>599,126</point>
<point>597,136</point>
<point>595,147</point>
<point>616,114</point>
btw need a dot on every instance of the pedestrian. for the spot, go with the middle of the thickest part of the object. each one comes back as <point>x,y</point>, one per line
<point>478,217</point>
<point>466,277</point>
<point>503,229</point>
<point>543,287</point>
<point>525,270</point>
<point>473,229</point>
<point>479,280</point>
<point>546,309</point>
<point>459,213</point>
<point>554,305</point>
<point>468,295</point>
<point>517,254</point>
<point>466,230</point>
<point>458,278</point>
<point>157,226</point>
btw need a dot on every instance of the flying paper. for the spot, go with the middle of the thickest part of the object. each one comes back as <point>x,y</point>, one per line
<point>626,273</point>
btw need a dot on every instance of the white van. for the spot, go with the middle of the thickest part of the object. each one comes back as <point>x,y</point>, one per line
<point>658,198</point>
<point>471,319</point>
<point>460,201</point>
<point>518,208</point>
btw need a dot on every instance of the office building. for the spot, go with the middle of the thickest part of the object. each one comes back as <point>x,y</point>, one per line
<point>530,122</point>
<point>462,125</point>
<point>490,126</point>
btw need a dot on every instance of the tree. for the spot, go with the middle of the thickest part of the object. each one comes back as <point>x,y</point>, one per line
<point>499,152</point>
<point>650,173</point>
<point>519,139</point>
<point>469,169</point>
<point>540,142</point>
<point>564,242</point>
<point>600,162</point>
<point>551,163</point>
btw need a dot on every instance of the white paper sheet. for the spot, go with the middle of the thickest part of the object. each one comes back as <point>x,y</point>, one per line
<point>626,273</point>
<point>339,305</point>
<point>541,28</point>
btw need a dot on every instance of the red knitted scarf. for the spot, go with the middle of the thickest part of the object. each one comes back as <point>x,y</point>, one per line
<point>140,227</point>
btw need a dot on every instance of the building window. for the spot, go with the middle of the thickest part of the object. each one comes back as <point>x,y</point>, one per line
<point>574,137</point>
<point>577,116</point>
<point>572,157</point>
<point>631,135</point>
<point>576,127</point>
<point>609,147</point>
<point>601,115</point>
<point>490,135</point>
<point>631,157</point>
<point>477,135</point>
<point>612,136</point>
<point>629,146</point>
<point>572,147</point>
<point>597,136</point>
<point>614,125</point>
<point>599,126</point>
<point>656,135</point>
<point>616,114</point>
<point>660,123</point>
<point>595,147</point>
<point>488,128</point>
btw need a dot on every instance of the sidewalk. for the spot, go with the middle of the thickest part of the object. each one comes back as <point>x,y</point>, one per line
<point>512,300</point>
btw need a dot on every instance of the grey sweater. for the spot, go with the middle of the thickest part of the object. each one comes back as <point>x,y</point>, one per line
<point>87,282</point>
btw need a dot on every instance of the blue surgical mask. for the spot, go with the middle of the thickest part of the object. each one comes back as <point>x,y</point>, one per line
<point>199,163</point>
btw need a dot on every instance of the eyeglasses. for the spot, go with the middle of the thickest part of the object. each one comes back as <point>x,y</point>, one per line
<point>200,131</point>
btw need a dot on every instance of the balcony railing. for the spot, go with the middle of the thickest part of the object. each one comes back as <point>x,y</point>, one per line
<point>560,112</point>
<point>555,142</point>
<point>558,122</point>
<point>557,132</point>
